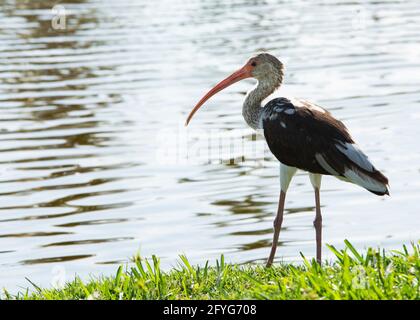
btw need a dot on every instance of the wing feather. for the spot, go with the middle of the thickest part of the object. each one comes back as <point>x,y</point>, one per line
<point>303,136</point>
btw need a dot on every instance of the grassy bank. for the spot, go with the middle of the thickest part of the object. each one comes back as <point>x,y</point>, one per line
<point>374,275</point>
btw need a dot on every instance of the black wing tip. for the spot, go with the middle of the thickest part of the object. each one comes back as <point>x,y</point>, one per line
<point>383,193</point>
<point>381,178</point>
<point>378,193</point>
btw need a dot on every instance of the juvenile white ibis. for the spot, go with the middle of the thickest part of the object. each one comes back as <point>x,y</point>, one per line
<point>301,135</point>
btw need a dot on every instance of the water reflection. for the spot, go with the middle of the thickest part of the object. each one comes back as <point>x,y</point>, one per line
<point>56,259</point>
<point>82,242</point>
<point>81,185</point>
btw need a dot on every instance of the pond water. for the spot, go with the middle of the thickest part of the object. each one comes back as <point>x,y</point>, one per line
<point>96,165</point>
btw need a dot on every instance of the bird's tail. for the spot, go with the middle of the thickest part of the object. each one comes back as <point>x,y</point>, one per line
<point>374,181</point>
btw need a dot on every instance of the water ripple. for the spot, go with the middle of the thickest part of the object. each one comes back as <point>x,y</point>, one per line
<point>84,110</point>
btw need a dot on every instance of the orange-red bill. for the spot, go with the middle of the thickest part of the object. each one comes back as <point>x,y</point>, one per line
<point>243,73</point>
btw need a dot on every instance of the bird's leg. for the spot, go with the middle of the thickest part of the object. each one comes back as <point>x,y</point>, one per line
<point>318,226</point>
<point>277,226</point>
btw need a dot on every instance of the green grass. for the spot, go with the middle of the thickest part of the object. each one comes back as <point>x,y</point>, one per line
<point>374,275</point>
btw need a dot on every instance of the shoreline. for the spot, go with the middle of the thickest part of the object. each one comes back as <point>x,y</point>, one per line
<point>377,274</point>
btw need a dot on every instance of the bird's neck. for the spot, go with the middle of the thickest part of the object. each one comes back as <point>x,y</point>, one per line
<point>252,108</point>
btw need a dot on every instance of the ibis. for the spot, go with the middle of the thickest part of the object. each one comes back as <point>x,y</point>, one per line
<point>301,135</point>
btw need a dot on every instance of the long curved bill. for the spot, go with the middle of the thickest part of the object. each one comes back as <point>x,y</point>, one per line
<point>243,73</point>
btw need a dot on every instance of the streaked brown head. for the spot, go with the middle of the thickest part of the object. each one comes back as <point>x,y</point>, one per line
<point>264,67</point>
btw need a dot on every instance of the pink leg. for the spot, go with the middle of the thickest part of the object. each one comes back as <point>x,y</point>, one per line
<point>318,227</point>
<point>277,226</point>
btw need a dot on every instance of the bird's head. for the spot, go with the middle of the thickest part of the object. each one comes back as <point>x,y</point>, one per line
<point>264,67</point>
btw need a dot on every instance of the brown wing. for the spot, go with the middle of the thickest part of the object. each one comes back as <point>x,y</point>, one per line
<point>305,136</point>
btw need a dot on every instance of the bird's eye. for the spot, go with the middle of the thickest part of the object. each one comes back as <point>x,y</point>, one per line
<point>253,63</point>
